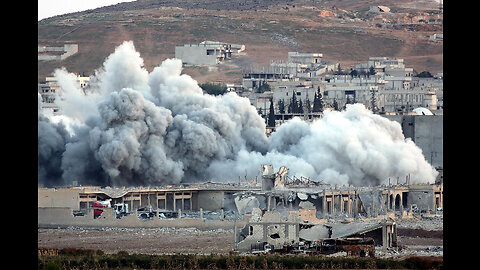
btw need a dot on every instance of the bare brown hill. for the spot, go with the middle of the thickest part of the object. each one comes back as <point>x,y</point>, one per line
<point>342,30</point>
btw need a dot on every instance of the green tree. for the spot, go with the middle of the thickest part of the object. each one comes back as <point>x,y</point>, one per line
<point>318,101</point>
<point>308,105</point>
<point>271,115</point>
<point>264,87</point>
<point>213,88</point>
<point>349,101</point>
<point>335,104</point>
<point>260,112</point>
<point>373,101</point>
<point>281,105</point>
<point>371,71</point>
<point>293,106</point>
<point>300,106</point>
<point>354,73</point>
<point>424,74</point>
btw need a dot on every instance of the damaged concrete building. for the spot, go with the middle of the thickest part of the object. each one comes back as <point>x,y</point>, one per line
<point>269,232</point>
<point>333,201</point>
<point>273,193</point>
<point>187,197</point>
<point>277,214</point>
<point>276,192</point>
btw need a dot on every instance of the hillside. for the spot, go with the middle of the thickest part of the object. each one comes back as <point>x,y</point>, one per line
<point>342,30</point>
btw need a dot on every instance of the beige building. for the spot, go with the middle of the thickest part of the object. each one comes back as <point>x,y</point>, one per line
<point>210,197</point>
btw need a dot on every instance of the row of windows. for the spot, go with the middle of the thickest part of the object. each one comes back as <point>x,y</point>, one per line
<point>46,90</point>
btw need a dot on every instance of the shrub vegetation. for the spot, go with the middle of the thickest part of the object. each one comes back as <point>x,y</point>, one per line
<point>94,259</point>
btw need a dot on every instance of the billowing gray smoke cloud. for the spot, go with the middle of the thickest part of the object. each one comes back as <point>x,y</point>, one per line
<point>141,128</point>
<point>52,138</point>
<point>349,147</point>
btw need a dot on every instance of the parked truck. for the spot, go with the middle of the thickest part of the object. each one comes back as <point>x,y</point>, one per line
<point>97,207</point>
<point>121,209</point>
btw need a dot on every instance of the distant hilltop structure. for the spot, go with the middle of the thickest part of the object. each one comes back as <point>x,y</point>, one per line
<point>207,53</point>
<point>56,53</point>
<point>379,9</point>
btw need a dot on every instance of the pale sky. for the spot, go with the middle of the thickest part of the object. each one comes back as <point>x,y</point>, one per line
<point>49,8</point>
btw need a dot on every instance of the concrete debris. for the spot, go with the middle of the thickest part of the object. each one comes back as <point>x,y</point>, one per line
<point>306,205</point>
<point>316,232</point>
<point>309,216</point>
<point>246,205</point>
<point>269,231</point>
<point>302,196</point>
<point>338,254</point>
<point>256,215</point>
<point>280,177</point>
<point>400,253</point>
<point>271,180</point>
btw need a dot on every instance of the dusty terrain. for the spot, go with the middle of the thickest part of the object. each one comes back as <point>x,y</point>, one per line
<point>421,237</point>
<point>141,240</point>
<point>342,30</point>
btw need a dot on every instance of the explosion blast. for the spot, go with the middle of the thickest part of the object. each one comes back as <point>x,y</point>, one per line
<point>135,128</point>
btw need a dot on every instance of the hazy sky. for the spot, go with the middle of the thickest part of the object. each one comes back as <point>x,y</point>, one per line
<point>49,8</point>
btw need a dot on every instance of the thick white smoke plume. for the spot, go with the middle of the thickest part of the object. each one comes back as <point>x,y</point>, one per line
<point>133,127</point>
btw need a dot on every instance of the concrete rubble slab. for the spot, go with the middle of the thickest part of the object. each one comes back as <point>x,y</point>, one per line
<point>316,232</point>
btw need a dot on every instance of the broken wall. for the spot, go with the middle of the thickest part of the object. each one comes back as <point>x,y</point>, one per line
<point>210,200</point>
<point>314,233</point>
<point>245,203</point>
<point>58,197</point>
<point>373,202</point>
<point>423,198</point>
<point>270,228</point>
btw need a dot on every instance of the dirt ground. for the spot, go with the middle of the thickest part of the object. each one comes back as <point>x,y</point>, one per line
<point>141,240</point>
<point>419,236</point>
<point>268,34</point>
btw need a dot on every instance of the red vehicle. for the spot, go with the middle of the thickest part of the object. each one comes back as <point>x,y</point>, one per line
<point>96,205</point>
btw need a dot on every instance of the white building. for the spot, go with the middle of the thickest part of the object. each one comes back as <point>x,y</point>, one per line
<point>350,94</point>
<point>406,100</point>
<point>305,58</point>
<point>300,90</point>
<point>50,88</point>
<point>394,87</point>
<point>308,66</point>
<point>206,53</point>
<point>56,53</point>
<point>381,64</point>
<point>283,90</point>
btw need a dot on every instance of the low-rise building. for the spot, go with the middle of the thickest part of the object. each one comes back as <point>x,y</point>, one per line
<point>49,89</point>
<point>46,53</point>
<point>206,53</point>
